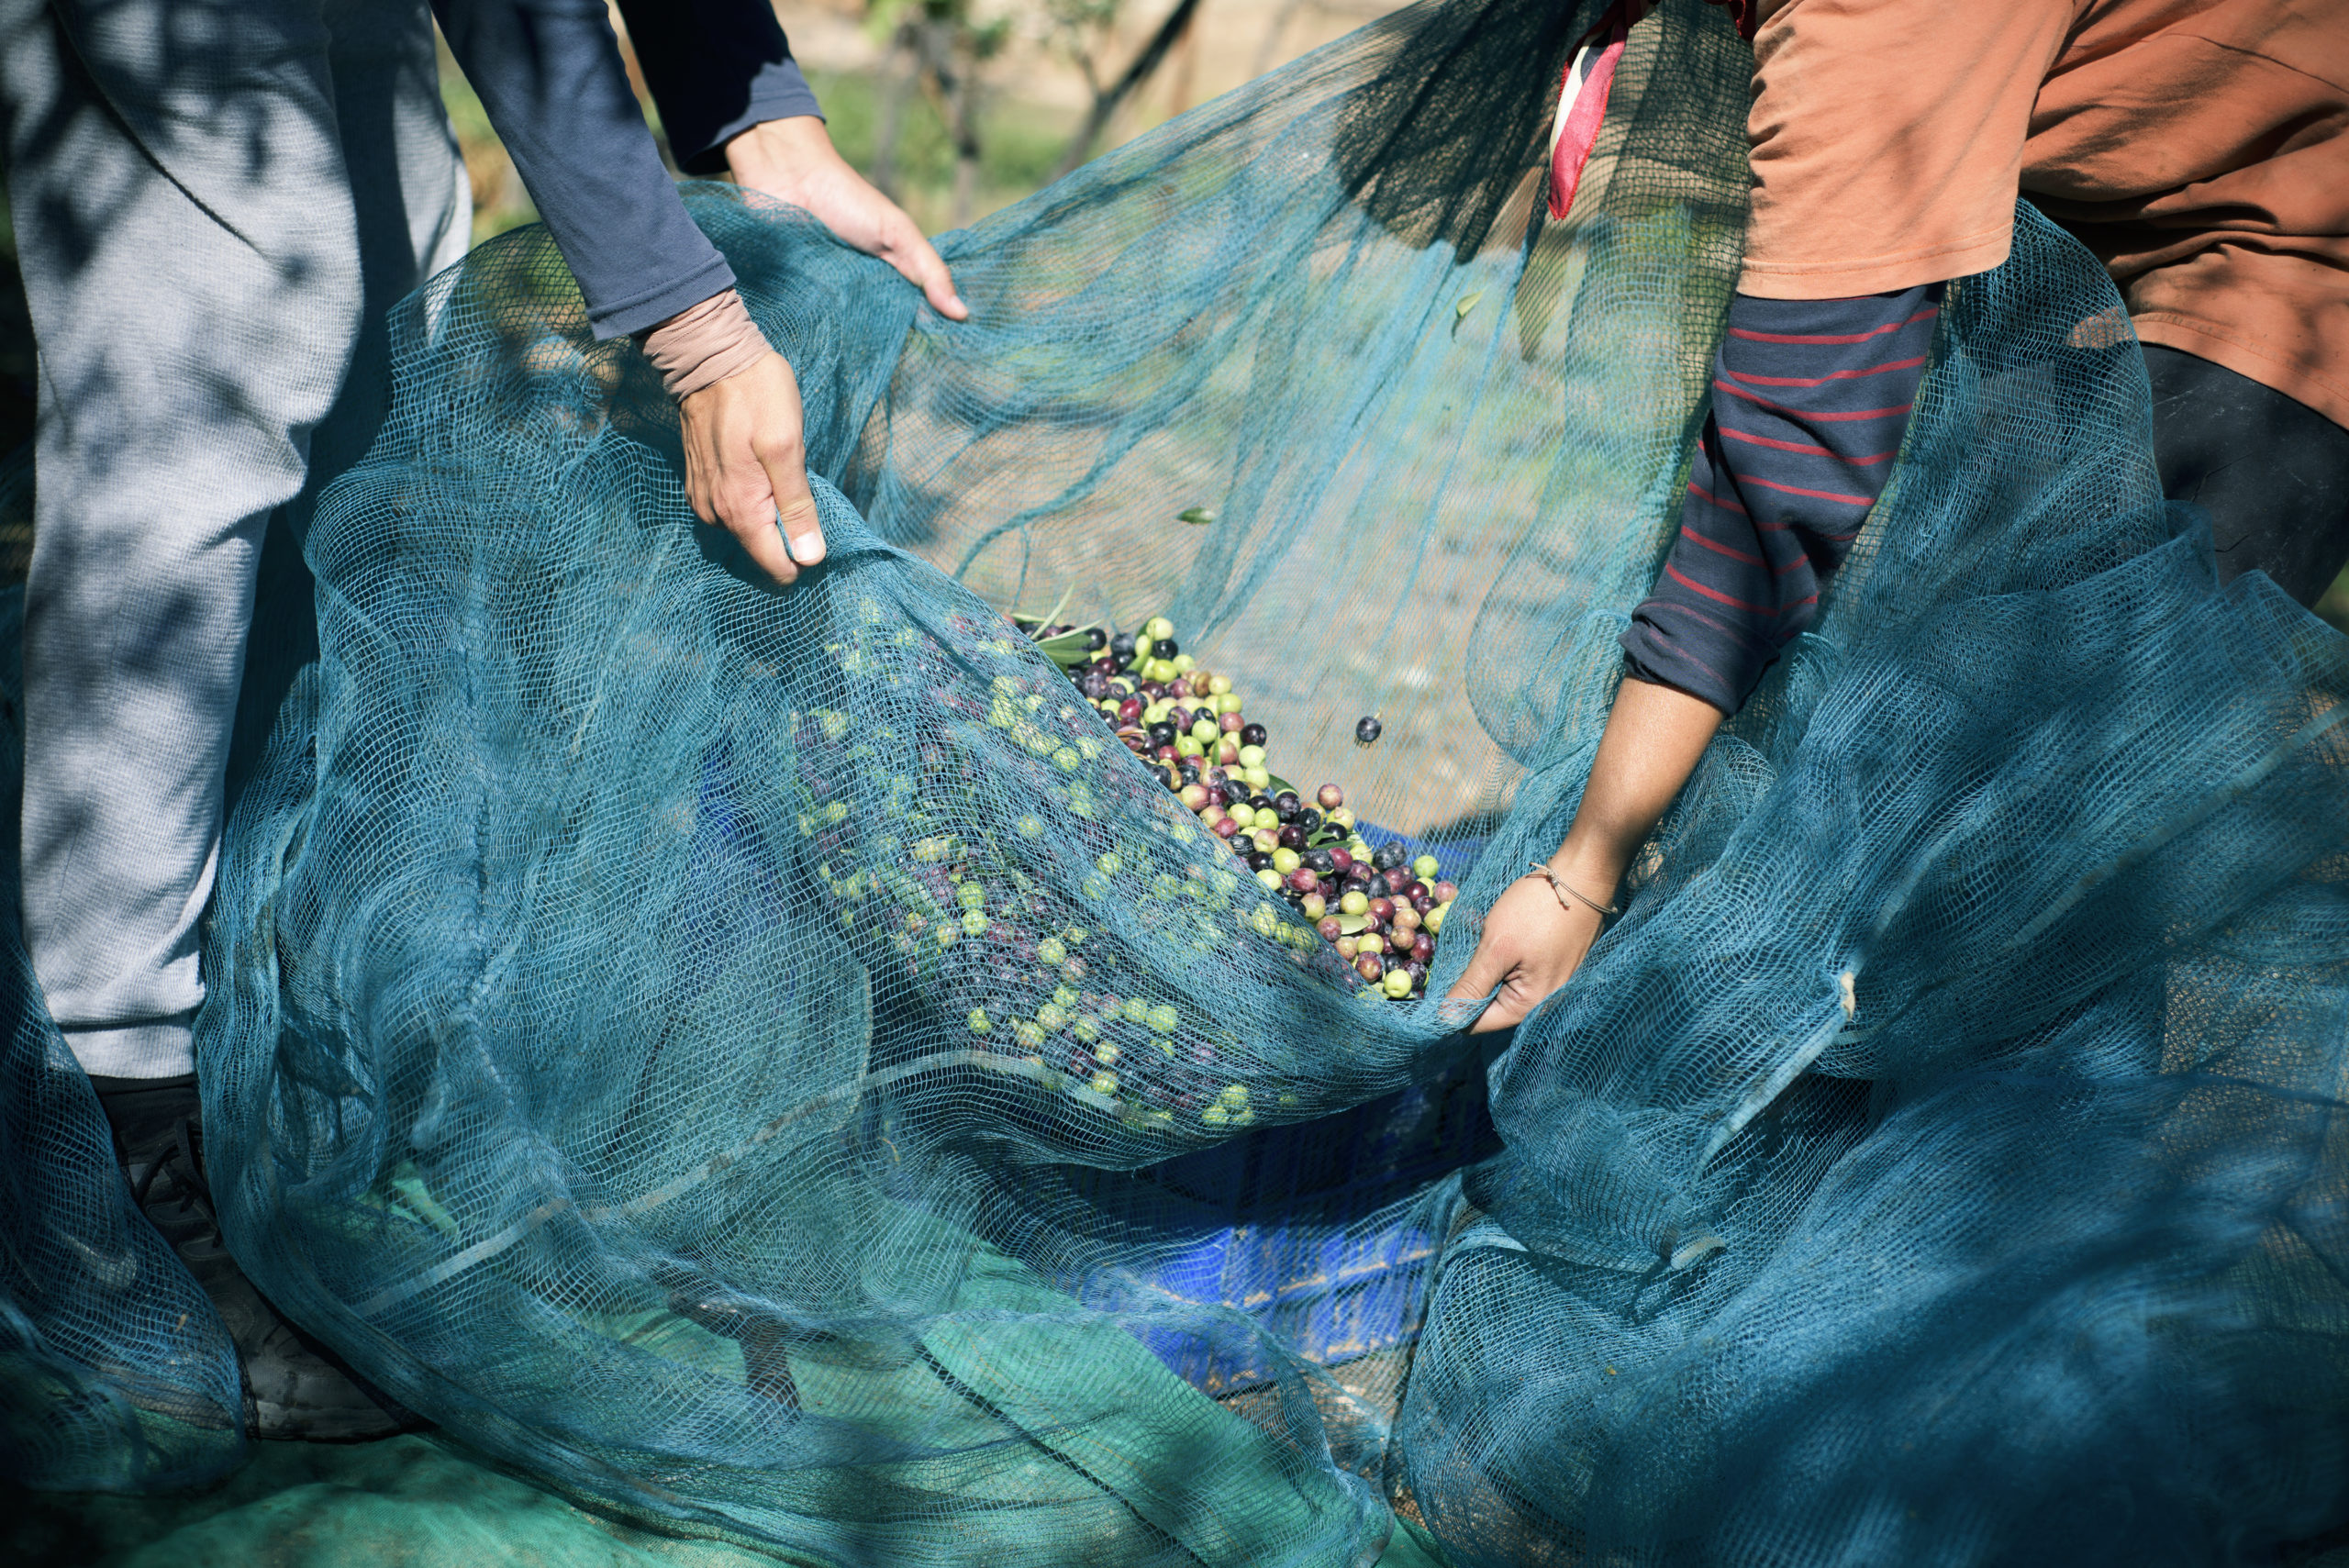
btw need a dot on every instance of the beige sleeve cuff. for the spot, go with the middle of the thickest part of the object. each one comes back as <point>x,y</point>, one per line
<point>699,348</point>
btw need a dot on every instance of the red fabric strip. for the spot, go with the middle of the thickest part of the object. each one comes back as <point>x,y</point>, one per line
<point>1752,380</point>
<point>1927,314</point>
<point>1804,448</point>
<point>1689,533</point>
<point>1806,414</point>
<point>1814,495</point>
<point>1716,500</point>
<point>1694,586</point>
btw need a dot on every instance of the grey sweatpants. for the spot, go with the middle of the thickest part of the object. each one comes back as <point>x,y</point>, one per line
<point>209,196</point>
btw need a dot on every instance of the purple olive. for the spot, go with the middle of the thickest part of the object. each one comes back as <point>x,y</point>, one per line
<point>1360,876</point>
<point>1130,711</point>
<point>1369,968</point>
<point>1330,796</point>
<point>1195,797</point>
<point>1339,859</point>
<point>1231,723</point>
<point>1422,949</point>
<point>1292,837</point>
<point>1161,733</point>
<point>1423,901</point>
<point>1329,929</point>
<point>1253,735</point>
<point>1287,805</point>
<point>1444,892</point>
<point>1225,828</point>
<point>1303,880</point>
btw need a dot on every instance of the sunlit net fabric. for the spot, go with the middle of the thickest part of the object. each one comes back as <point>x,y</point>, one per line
<point>645,1034</point>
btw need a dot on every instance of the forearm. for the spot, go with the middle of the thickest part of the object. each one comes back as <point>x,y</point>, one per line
<point>548,73</point>
<point>1653,739</point>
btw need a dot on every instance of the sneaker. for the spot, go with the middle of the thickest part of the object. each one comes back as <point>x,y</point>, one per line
<point>294,1387</point>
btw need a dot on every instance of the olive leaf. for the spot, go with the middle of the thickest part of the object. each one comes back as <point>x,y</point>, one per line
<point>1068,649</point>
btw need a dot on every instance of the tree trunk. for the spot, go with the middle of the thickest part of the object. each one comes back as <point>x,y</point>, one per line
<point>966,128</point>
<point>896,92</point>
<point>1105,105</point>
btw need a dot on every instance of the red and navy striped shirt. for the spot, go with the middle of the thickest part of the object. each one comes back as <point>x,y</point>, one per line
<point>1809,400</point>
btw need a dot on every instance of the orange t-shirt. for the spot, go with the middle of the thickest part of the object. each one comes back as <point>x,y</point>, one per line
<point>2200,148</point>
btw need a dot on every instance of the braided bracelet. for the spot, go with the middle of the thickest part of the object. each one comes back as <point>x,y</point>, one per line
<point>1558,886</point>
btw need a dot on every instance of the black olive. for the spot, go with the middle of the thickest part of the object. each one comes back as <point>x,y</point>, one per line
<point>1366,730</point>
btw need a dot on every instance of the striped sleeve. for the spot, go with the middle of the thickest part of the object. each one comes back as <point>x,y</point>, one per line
<point>1809,401</point>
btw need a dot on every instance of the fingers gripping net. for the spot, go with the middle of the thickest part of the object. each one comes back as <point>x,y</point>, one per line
<point>776,1064</point>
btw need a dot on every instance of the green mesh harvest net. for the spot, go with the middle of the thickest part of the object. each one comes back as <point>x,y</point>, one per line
<point>776,1071</point>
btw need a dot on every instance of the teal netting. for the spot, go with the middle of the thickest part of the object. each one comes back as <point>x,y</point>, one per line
<point>1942,1162</point>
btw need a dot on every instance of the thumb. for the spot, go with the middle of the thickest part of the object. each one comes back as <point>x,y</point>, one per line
<point>794,509</point>
<point>1488,968</point>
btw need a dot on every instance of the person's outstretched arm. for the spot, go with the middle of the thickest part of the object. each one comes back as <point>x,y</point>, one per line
<point>548,73</point>
<point>1811,399</point>
<point>734,101</point>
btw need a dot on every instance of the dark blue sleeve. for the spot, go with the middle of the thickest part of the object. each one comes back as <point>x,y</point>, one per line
<point>716,68</point>
<point>549,73</point>
<point>1810,399</point>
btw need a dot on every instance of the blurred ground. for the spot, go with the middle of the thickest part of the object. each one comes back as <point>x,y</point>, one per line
<point>957,107</point>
